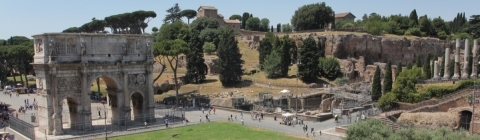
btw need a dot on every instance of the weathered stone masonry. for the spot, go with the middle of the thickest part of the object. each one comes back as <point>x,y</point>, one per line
<point>66,65</point>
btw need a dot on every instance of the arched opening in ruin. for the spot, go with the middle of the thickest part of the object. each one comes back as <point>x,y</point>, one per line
<point>465,119</point>
<point>137,104</point>
<point>207,69</point>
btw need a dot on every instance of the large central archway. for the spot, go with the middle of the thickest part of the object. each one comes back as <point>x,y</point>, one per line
<point>66,67</point>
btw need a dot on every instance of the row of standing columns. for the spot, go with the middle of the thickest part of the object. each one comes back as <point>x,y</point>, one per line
<point>466,63</point>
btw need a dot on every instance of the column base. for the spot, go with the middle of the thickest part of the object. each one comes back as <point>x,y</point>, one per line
<point>474,75</point>
<point>436,78</point>
<point>456,76</point>
<point>57,132</point>
<point>446,77</point>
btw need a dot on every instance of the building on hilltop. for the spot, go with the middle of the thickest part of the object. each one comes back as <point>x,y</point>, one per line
<point>210,11</point>
<point>344,16</point>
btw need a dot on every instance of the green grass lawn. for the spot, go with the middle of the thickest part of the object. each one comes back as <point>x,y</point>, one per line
<point>211,131</point>
<point>31,82</point>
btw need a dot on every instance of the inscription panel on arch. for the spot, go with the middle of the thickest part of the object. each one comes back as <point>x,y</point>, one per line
<point>69,85</point>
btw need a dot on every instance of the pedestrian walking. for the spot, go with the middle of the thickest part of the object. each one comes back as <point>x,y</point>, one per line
<point>200,118</point>
<point>311,130</point>
<point>242,121</point>
<point>235,116</point>
<point>203,110</point>
<point>166,123</point>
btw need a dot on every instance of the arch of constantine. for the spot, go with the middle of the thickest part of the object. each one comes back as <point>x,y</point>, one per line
<point>67,64</point>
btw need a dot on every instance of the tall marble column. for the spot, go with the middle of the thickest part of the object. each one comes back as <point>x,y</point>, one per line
<point>456,70</point>
<point>466,56</point>
<point>475,61</point>
<point>446,70</point>
<point>436,74</point>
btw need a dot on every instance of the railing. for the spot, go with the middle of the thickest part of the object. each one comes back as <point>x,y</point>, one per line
<point>22,127</point>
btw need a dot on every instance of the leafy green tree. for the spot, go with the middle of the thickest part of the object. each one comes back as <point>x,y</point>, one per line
<point>209,48</point>
<point>236,17</point>
<point>413,18</point>
<point>195,61</point>
<point>377,84</point>
<point>189,14</point>
<point>439,25</point>
<point>312,16</point>
<point>171,49</point>
<point>329,67</point>
<point>172,31</point>
<point>253,24</point>
<point>264,49</point>
<point>18,40</point>
<point>398,70</point>
<point>210,35</point>
<point>174,14</point>
<point>369,129</point>
<point>426,26</point>
<point>229,60</point>
<point>426,67</point>
<point>474,25</point>
<point>273,65</point>
<point>309,56</point>
<point>287,28</point>
<point>388,79</point>
<point>154,29</point>
<point>409,66</point>
<point>245,17</point>
<point>264,23</point>
<point>375,27</point>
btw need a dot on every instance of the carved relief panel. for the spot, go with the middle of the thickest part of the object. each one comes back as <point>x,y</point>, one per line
<point>71,46</point>
<point>38,45</point>
<point>136,80</point>
<point>69,85</point>
<point>60,46</point>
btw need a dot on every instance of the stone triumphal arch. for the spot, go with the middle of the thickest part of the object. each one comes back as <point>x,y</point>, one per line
<point>67,64</point>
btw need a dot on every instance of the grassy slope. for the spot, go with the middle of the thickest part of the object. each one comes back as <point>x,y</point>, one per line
<point>210,131</point>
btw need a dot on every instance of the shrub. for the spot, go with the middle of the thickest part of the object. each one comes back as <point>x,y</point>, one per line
<point>442,35</point>
<point>414,32</point>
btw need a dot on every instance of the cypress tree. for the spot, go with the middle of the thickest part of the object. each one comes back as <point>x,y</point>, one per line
<point>388,81</point>
<point>442,66</point>
<point>409,66</point>
<point>376,85</point>
<point>426,67</point>
<point>309,59</point>
<point>451,67</point>
<point>418,62</point>
<point>229,60</point>
<point>398,70</point>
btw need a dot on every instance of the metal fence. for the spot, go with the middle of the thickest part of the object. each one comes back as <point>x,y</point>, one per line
<point>22,127</point>
<point>100,126</point>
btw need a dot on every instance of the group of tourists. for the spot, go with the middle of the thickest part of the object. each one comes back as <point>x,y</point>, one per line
<point>28,106</point>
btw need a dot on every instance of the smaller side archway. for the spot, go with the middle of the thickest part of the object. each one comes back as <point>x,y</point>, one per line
<point>71,112</point>
<point>138,106</point>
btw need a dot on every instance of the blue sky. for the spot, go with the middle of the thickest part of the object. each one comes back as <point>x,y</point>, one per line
<point>29,17</point>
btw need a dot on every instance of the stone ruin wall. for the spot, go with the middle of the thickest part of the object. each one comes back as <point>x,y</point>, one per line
<point>361,52</point>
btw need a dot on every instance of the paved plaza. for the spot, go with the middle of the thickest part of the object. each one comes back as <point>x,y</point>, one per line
<point>192,115</point>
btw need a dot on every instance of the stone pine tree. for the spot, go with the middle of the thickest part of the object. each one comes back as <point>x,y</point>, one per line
<point>409,66</point>
<point>426,67</point>
<point>399,69</point>
<point>309,58</point>
<point>377,85</point>
<point>229,60</point>
<point>171,49</point>
<point>388,80</point>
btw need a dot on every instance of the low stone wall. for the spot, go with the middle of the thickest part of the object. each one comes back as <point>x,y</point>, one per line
<point>341,129</point>
<point>279,115</point>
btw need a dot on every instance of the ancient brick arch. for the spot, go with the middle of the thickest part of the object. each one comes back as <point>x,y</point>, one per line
<point>66,66</point>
